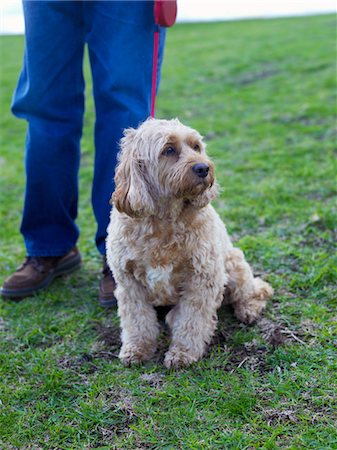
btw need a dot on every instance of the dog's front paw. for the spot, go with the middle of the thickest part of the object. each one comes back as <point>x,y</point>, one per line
<point>177,358</point>
<point>130,355</point>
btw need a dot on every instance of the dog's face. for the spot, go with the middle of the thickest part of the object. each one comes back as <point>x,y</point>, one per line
<point>162,160</point>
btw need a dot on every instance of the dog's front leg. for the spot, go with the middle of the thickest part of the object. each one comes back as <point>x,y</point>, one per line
<point>139,323</point>
<point>192,323</point>
<point>247,295</point>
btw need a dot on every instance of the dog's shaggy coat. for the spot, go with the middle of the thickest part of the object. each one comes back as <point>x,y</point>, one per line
<point>166,245</point>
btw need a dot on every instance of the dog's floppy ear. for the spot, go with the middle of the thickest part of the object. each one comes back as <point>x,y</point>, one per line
<point>132,194</point>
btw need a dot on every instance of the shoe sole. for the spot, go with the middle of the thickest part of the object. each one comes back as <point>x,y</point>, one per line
<point>112,303</point>
<point>19,294</point>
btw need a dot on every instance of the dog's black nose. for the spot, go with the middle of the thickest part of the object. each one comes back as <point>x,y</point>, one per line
<point>201,170</point>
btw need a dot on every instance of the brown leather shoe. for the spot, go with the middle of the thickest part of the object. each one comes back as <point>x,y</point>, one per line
<point>37,272</point>
<point>107,287</point>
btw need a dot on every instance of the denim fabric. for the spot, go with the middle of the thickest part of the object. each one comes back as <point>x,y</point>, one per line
<point>50,96</point>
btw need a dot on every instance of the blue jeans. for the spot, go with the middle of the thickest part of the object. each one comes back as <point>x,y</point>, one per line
<point>50,96</point>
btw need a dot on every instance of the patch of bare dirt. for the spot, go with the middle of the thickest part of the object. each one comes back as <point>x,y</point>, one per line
<point>249,355</point>
<point>108,335</point>
<point>83,364</point>
<point>278,334</point>
<point>252,354</point>
<point>107,347</point>
<point>110,340</point>
<point>154,380</point>
<point>276,416</point>
<point>272,332</point>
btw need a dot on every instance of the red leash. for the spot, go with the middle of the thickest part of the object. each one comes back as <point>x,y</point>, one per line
<point>165,13</point>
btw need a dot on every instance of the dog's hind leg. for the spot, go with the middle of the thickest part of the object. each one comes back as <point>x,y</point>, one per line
<point>140,328</point>
<point>247,295</point>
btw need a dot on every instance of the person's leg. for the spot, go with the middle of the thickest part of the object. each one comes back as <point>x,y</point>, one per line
<point>50,96</point>
<point>120,39</point>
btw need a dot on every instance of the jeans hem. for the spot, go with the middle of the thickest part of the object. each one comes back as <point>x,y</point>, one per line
<point>49,252</point>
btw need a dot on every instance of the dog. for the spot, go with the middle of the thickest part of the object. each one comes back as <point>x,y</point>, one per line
<point>166,245</point>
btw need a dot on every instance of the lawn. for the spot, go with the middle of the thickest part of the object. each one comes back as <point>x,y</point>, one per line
<point>262,92</point>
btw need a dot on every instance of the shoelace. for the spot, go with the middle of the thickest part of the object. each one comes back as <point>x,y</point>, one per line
<point>34,262</point>
<point>37,262</point>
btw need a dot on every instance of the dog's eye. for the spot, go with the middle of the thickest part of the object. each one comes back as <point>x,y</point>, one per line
<point>196,148</point>
<point>169,151</point>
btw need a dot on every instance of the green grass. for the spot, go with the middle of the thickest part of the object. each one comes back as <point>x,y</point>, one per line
<point>263,95</point>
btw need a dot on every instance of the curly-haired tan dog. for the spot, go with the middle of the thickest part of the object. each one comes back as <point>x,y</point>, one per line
<point>166,245</point>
